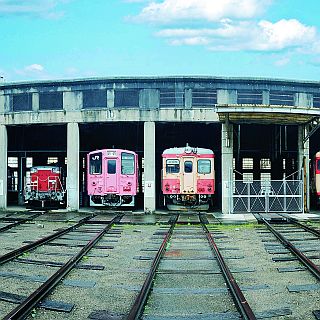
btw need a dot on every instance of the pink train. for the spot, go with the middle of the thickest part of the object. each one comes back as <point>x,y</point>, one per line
<point>112,178</point>
<point>188,178</point>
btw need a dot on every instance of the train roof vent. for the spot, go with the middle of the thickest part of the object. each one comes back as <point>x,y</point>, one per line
<point>187,149</point>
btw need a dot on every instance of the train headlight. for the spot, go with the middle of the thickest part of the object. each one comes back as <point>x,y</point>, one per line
<point>56,170</point>
<point>33,170</point>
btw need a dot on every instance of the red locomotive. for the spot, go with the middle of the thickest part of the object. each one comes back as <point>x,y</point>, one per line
<point>188,178</point>
<point>46,186</point>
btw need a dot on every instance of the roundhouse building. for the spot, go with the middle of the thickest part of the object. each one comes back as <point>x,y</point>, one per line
<point>262,131</point>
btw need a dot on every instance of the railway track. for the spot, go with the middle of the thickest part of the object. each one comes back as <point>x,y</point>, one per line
<point>200,262</point>
<point>287,234</point>
<point>11,222</point>
<point>95,229</point>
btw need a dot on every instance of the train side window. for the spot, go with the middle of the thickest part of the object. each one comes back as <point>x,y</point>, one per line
<point>172,166</point>
<point>112,166</point>
<point>127,163</point>
<point>96,163</point>
<point>188,167</point>
<point>204,166</point>
<point>318,164</point>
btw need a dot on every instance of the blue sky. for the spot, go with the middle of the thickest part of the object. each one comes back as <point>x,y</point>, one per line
<point>63,39</point>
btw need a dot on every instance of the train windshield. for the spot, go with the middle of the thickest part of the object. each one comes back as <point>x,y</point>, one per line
<point>96,163</point>
<point>172,166</point>
<point>188,167</point>
<point>204,166</point>
<point>318,164</point>
<point>112,166</point>
<point>127,163</point>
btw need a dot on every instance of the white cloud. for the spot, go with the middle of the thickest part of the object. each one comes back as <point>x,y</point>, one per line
<point>282,61</point>
<point>43,8</point>
<point>32,71</point>
<point>247,35</point>
<point>34,68</point>
<point>209,10</point>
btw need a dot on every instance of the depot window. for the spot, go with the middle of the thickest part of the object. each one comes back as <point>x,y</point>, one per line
<point>127,163</point>
<point>188,167</point>
<point>96,163</point>
<point>204,166</point>
<point>112,166</point>
<point>172,166</point>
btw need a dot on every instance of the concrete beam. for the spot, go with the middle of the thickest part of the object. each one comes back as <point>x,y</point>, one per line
<point>149,167</point>
<point>226,165</point>
<point>111,115</point>
<point>73,148</point>
<point>3,166</point>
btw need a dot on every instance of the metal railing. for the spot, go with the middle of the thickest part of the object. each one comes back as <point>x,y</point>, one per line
<point>266,196</point>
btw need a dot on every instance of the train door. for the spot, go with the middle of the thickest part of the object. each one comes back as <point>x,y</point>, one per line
<point>188,176</point>
<point>112,175</point>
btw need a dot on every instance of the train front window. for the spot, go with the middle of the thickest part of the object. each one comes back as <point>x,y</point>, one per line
<point>96,163</point>
<point>172,166</point>
<point>318,164</point>
<point>127,163</point>
<point>204,166</point>
<point>112,166</point>
<point>188,167</point>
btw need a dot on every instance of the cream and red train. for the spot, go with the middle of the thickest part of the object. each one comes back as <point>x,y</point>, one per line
<point>188,178</point>
<point>315,180</point>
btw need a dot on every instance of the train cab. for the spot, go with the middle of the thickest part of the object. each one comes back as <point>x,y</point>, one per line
<point>188,178</point>
<point>112,177</point>
<point>46,186</point>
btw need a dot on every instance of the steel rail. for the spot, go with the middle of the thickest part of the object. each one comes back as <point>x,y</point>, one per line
<point>303,226</point>
<point>24,309</point>
<point>313,268</point>
<point>139,303</point>
<point>236,293</point>
<point>17,223</point>
<point>15,253</point>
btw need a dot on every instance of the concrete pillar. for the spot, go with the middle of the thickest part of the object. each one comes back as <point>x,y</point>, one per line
<point>3,166</point>
<point>149,167</point>
<point>265,97</point>
<point>149,98</point>
<point>22,167</point>
<point>302,99</point>
<point>73,145</point>
<point>110,98</point>
<point>188,98</point>
<point>303,154</point>
<point>226,96</point>
<point>226,165</point>
<point>35,102</point>
<point>72,100</point>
